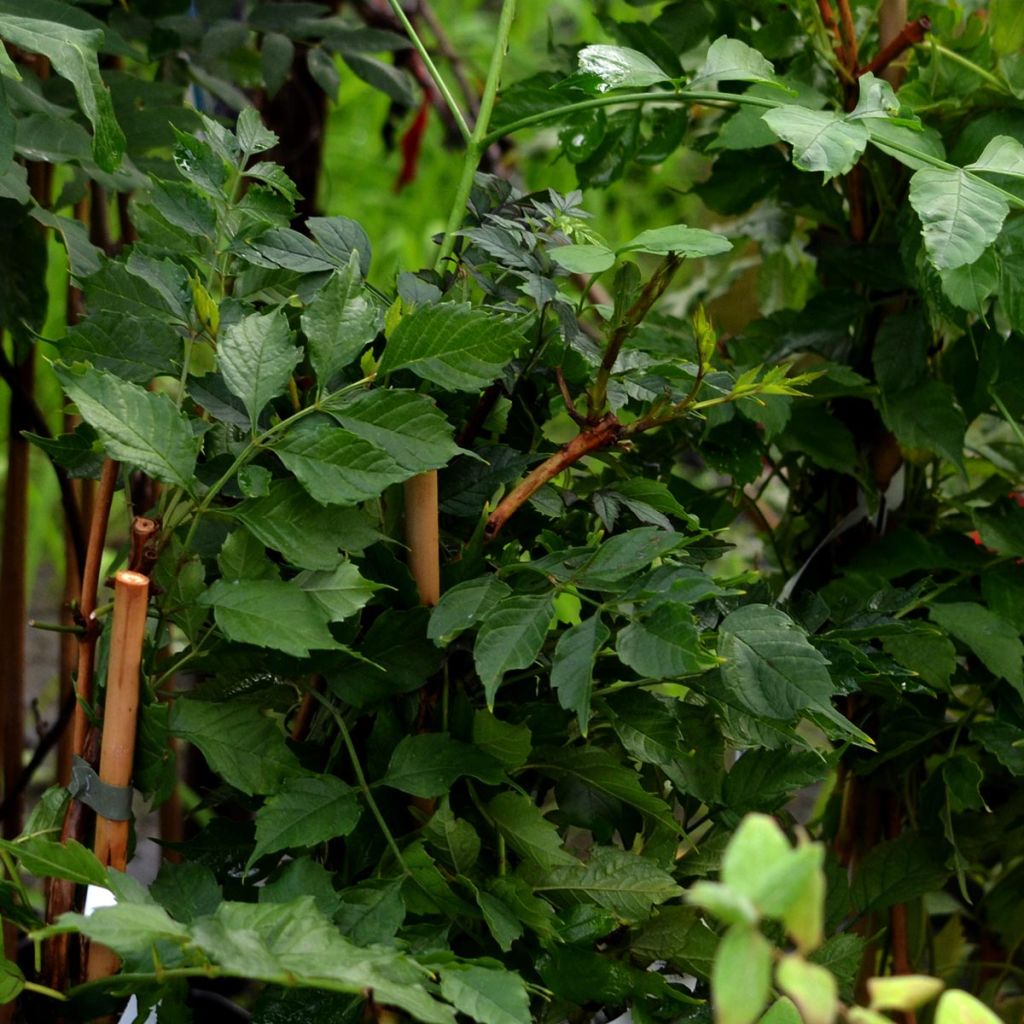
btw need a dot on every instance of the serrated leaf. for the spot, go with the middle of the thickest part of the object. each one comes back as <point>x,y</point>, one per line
<point>527,831</point>
<point>969,286</point>
<point>305,532</point>
<point>238,741</point>
<point>454,345</point>
<point>427,764</point>
<point>620,67</point>
<point>506,742</point>
<point>623,883</point>
<point>334,465</point>
<point>771,669</point>
<point>269,613</point>
<point>510,638</point>
<point>257,356</point>
<point>486,995</point>
<point>821,140</point>
<point>927,417</point>
<point>341,592</point>
<point>339,323</point>
<point>572,668</point>
<point>48,858</point>
<point>464,605</point>
<point>961,214</point>
<point>372,912</point>
<point>135,350</point>
<point>136,426</point>
<point>730,60</point>
<point>693,243</point>
<point>408,426</point>
<point>665,645</point>
<point>253,136</point>
<point>897,871</point>
<point>306,811</point>
<point>992,639</point>
<point>73,53</point>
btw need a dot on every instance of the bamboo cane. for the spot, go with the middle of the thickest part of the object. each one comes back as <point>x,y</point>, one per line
<point>120,720</point>
<point>422,536</point>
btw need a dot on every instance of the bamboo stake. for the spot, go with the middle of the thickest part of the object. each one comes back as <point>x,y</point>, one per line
<point>423,536</point>
<point>120,722</point>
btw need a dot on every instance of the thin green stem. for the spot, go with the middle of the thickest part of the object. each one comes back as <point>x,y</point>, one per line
<point>428,61</point>
<point>45,990</point>
<point>8,863</point>
<point>963,61</point>
<point>1010,421</point>
<point>614,99</point>
<point>478,140</point>
<point>364,786</point>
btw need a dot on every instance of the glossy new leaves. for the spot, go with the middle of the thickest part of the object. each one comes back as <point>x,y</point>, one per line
<point>821,140</point>
<point>619,67</point>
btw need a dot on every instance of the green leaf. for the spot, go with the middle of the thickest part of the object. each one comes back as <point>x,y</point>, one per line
<point>730,60</point>
<point>927,417</point>
<point>132,349</point>
<point>307,811</point>
<point>252,136</point>
<point>811,987</point>
<point>129,929</point>
<point>572,667</point>
<point>73,55</point>
<point>665,645</point>
<point>307,534</point>
<point>184,206</point>
<point>904,992</point>
<point>454,345</point>
<point>136,426</point>
<point>238,741</point>
<point>782,1011</point>
<point>963,778</point>
<point>427,764</point>
<point>693,243</point>
<point>996,643</point>
<point>187,890</point>
<point>875,99</point>
<point>372,912</point>
<point>12,981</point>
<point>625,554</point>
<point>821,140</point>
<point>48,858</point>
<point>741,978</point>
<point>463,606</point>
<point>621,882</point>
<point>969,286</point>
<point>510,744</point>
<point>408,426</point>
<point>341,592</point>
<point>340,237</point>
<point>324,71</point>
<point>897,871</point>
<point>302,876</point>
<point>527,831</point>
<point>257,356</point>
<point>771,669</point>
<point>276,56</point>
<point>961,215</point>
<point>583,259</point>
<point>393,81</point>
<point>456,840</point>
<point>956,1007</point>
<point>334,465</point>
<point>620,67</point>
<point>510,638</point>
<point>486,995</point>
<point>679,935</point>
<point>339,323</point>
<point>932,656</point>
<point>1002,155</point>
<point>598,769</point>
<point>502,923</point>
<point>269,613</point>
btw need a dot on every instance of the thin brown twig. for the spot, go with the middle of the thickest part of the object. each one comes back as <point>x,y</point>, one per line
<point>910,35</point>
<point>849,36</point>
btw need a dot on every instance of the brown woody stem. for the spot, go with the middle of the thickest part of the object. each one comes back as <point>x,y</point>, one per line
<point>602,434</point>
<point>849,36</point>
<point>87,602</point>
<point>910,35</point>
